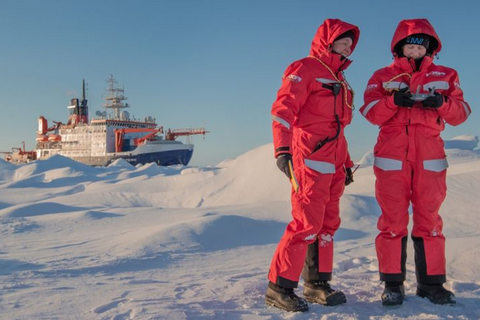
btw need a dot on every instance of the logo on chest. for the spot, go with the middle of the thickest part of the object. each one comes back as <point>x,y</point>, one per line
<point>293,78</point>
<point>435,74</point>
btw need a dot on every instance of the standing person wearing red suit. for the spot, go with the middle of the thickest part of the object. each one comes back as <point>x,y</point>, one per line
<point>313,106</point>
<point>411,100</point>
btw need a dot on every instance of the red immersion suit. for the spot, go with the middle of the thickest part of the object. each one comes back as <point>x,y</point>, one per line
<point>410,163</point>
<point>304,114</point>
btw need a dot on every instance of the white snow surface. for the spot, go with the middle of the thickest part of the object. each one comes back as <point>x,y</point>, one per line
<point>149,242</point>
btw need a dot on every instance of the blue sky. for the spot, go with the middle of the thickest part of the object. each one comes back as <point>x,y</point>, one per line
<point>195,63</point>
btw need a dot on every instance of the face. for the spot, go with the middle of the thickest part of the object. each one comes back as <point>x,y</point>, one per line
<point>343,46</point>
<point>414,51</point>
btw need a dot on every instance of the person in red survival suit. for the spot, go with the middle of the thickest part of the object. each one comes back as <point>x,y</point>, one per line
<point>411,100</point>
<point>313,106</point>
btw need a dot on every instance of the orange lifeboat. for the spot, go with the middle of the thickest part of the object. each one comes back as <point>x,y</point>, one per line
<point>41,138</point>
<point>54,137</point>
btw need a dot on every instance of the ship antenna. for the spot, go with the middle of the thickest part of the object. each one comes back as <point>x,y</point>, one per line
<point>83,111</point>
<point>115,98</point>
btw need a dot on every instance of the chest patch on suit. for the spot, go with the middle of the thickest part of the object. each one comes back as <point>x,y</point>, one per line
<point>294,78</point>
<point>436,74</point>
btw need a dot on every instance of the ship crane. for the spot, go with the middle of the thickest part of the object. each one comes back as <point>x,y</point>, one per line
<point>120,135</point>
<point>173,134</point>
<point>55,127</point>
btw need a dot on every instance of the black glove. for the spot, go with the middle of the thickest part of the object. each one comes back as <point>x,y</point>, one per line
<point>282,163</point>
<point>434,101</point>
<point>402,98</point>
<point>348,176</point>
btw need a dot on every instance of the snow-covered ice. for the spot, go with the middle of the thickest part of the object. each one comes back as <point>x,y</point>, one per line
<point>149,242</point>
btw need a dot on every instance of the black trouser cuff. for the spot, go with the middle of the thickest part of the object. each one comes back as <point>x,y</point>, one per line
<point>393,284</point>
<point>438,279</point>
<point>318,276</point>
<point>392,277</point>
<point>282,282</point>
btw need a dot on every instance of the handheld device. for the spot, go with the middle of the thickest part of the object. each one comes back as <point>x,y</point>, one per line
<point>422,96</point>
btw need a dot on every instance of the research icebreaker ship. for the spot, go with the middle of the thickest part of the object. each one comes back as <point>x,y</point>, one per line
<point>112,135</point>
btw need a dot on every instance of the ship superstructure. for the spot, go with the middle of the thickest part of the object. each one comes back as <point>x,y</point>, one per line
<point>112,135</point>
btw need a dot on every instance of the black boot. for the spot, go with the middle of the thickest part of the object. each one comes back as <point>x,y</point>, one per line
<point>284,298</point>
<point>393,294</point>
<point>436,293</point>
<point>321,292</point>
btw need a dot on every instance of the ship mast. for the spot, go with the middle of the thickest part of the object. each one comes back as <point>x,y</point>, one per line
<point>115,98</point>
<point>83,110</point>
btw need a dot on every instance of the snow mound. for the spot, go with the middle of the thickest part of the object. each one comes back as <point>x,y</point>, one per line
<point>5,165</point>
<point>181,242</point>
<point>121,163</point>
<point>252,177</point>
<point>213,232</point>
<point>6,170</point>
<point>43,208</point>
<point>52,163</point>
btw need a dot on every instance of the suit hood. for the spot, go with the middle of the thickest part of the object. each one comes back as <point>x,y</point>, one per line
<point>328,32</point>
<point>406,28</point>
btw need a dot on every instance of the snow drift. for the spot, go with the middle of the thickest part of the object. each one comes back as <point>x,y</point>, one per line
<point>151,242</point>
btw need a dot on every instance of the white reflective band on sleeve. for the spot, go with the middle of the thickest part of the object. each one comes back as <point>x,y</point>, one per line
<point>437,85</point>
<point>467,110</point>
<point>281,121</point>
<point>368,107</point>
<point>323,80</point>
<point>387,164</point>
<point>394,85</point>
<point>437,165</point>
<point>320,166</point>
